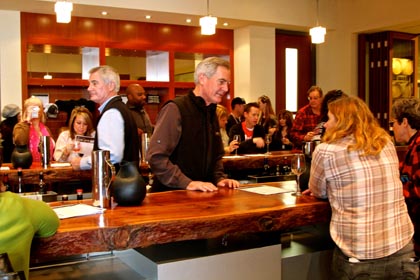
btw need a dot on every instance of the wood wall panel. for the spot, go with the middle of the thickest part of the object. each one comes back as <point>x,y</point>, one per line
<point>40,28</point>
<point>104,33</point>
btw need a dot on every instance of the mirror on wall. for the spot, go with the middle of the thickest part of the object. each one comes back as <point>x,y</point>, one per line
<point>49,61</point>
<point>139,65</point>
<point>185,64</point>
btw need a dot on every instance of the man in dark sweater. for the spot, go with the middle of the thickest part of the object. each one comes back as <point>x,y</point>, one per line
<point>186,149</point>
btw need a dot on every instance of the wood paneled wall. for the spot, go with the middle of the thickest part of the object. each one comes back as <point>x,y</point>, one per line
<point>106,33</point>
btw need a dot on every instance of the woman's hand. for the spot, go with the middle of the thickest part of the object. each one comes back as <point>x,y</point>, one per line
<point>233,145</point>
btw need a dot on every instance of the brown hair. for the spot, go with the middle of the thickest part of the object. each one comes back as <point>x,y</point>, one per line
<point>287,115</point>
<point>87,116</point>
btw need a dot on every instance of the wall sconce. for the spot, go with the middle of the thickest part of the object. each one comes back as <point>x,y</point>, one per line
<point>63,11</point>
<point>208,23</point>
<point>317,33</point>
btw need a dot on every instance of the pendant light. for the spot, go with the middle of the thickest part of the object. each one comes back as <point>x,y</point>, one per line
<point>208,23</point>
<point>63,9</point>
<point>318,32</point>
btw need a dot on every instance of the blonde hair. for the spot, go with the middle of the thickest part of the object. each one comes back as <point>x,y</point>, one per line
<point>221,111</point>
<point>86,115</point>
<point>33,101</point>
<point>355,118</point>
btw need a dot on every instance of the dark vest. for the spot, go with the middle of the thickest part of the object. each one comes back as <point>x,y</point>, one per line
<point>200,144</point>
<point>131,140</point>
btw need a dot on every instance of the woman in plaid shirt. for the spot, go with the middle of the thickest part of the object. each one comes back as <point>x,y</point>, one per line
<point>406,125</point>
<point>356,168</point>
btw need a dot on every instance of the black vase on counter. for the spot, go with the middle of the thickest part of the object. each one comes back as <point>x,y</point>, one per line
<point>21,157</point>
<point>129,187</point>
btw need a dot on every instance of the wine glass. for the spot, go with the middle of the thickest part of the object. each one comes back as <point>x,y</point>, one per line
<point>298,167</point>
<point>77,147</point>
<point>267,142</point>
<point>237,138</point>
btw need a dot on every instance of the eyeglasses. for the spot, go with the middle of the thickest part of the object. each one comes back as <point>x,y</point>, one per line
<point>313,98</point>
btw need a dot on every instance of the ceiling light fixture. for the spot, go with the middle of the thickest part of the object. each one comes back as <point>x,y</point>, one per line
<point>317,33</point>
<point>63,11</point>
<point>208,23</point>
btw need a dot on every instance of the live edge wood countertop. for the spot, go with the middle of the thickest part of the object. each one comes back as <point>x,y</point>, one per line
<point>181,215</point>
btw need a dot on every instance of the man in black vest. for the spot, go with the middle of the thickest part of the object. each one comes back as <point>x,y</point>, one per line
<point>186,149</point>
<point>116,130</point>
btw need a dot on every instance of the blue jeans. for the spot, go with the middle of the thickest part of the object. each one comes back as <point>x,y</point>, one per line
<point>401,265</point>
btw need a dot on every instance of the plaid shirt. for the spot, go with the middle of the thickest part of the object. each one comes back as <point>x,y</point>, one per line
<point>369,216</point>
<point>410,176</point>
<point>304,122</point>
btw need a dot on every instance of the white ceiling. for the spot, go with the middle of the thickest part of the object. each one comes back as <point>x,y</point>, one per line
<point>83,9</point>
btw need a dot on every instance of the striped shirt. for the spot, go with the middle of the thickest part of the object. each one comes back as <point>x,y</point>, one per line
<point>369,216</point>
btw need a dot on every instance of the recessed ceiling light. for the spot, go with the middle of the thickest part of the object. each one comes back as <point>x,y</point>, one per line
<point>104,13</point>
<point>148,16</point>
<point>225,24</point>
<point>188,20</point>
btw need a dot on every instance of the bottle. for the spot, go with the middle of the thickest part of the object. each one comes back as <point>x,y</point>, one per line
<point>79,194</point>
<point>20,184</point>
<point>6,182</point>
<point>41,183</point>
<point>285,167</point>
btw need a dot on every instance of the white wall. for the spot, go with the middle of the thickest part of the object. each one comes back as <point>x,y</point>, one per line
<point>254,58</point>
<point>10,60</point>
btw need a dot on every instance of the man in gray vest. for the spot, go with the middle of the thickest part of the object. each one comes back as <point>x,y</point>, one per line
<point>116,130</point>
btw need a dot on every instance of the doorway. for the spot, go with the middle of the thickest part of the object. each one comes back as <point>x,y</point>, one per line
<point>300,44</point>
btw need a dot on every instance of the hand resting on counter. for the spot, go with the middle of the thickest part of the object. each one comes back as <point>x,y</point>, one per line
<point>209,187</point>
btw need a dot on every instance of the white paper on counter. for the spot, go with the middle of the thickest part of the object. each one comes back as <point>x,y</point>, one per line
<point>76,210</point>
<point>60,164</point>
<point>5,168</point>
<point>267,190</point>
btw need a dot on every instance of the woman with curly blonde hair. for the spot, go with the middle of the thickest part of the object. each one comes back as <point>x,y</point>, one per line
<point>356,168</point>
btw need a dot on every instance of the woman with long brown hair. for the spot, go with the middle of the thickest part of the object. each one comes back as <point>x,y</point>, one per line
<point>267,117</point>
<point>80,124</point>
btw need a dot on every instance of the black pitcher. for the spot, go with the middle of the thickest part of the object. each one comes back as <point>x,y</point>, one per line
<point>129,187</point>
<point>21,157</point>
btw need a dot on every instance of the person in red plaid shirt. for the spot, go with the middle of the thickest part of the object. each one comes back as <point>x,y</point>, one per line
<point>307,118</point>
<point>405,121</point>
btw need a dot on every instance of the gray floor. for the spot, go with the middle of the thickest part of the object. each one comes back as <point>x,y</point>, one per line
<point>103,268</point>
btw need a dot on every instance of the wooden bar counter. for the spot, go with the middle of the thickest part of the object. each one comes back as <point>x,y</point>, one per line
<point>51,174</point>
<point>256,161</point>
<point>181,215</point>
